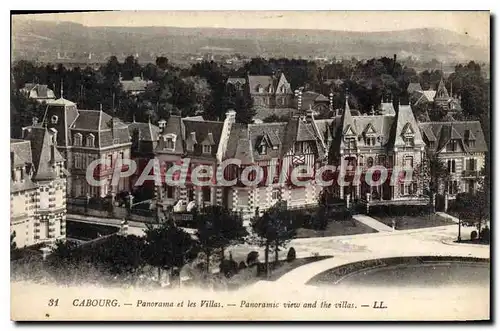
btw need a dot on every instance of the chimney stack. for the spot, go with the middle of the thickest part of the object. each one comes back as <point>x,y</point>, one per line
<point>34,121</point>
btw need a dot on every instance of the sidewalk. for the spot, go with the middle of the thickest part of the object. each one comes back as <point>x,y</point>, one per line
<point>442,214</point>
<point>372,223</point>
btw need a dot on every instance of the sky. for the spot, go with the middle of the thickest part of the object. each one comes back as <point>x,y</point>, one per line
<point>475,24</point>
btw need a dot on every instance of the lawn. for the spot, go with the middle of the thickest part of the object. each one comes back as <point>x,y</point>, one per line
<point>407,222</point>
<point>336,228</point>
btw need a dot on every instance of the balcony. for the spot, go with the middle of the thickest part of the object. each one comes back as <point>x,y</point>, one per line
<point>472,173</point>
<point>101,170</point>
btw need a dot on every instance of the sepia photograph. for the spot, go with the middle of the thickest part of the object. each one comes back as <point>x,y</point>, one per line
<point>250,166</point>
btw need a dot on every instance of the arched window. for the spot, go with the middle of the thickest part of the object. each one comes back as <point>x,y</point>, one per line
<point>54,119</point>
<point>90,140</point>
<point>369,162</point>
<point>77,139</point>
<point>258,88</point>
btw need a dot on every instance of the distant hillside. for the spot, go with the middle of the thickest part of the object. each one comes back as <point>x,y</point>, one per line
<point>49,37</point>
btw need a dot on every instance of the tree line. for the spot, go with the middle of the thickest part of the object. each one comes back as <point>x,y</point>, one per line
<point>168,247</point>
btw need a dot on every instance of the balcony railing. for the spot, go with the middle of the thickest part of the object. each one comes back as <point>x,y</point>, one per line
<point>472,173</point>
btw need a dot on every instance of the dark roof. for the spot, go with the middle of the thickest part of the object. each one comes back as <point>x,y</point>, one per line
<point>20,152</point>
<point>205,132</point>
<point>310,98</point>
<point>147,131</point>
<point>263,81</point>
<point>45,154</point>
<point>412,87</point>
<point>461,130</point>
<point>174,126</point>
<point>109,130</point>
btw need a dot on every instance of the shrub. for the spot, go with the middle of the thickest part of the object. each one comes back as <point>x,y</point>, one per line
<point>485,235</point>
<point>242,265</point>
<point>252,258</point>
<point>228,268</point>
<point>473,235</point>
<point>291,254</point>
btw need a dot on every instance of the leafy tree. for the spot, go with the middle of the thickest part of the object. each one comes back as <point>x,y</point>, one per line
<point>275,228</point>
<point>275,119</point>
<point>130,68</point>
<point>13,245</point>
<point>169,248</point>
<point>432,172</point>
<point>217,228</point>
<point>120,255</point>
<point>472,207</point>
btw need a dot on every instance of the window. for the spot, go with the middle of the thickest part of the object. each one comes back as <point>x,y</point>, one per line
<point>452,187</point>
<point>351,143</point>
<point>381,160</point>
<point>471,164</point>
<point>207,149</point>
<point>431,144</point>
<point>263,149</point>
<point>170,143</point>
<point>206,194</point>
<point>370,141</point>
<point>369,162</point>
<point>452,145</point>
<point>276,194</point>
<point>90,140</point>
<point>78,160</point>
<point>402,189</point>
<point>77,139</point>
<point>409,141</point>
<point>170,192</point>
<point>451,166</point>
<point>471,143</point>
<point>408,161</point>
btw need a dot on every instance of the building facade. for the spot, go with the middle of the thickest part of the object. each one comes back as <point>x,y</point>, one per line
<point>461,147</point>
<point>38,189</point>
<point>83,136</point>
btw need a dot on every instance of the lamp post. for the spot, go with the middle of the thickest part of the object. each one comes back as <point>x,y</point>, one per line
<point>459,239</point>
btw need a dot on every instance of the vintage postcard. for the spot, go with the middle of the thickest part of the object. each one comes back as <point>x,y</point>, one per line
<point>250,165</point>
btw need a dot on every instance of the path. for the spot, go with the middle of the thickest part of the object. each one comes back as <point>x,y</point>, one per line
<point>372,223</point>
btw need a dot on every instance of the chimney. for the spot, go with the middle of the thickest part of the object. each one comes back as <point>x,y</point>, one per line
<point>162,124</point>
<point>309,114</point>
<point>193,137</point>
<point>226,131</point>
<point>372,111</point>
<point>34,121</point>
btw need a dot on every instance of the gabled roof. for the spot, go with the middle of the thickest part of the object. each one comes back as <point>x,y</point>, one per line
<point>441,91</point>
<point>404,117</point>
<point>412,87</point>
<point>460,130</point>
<point>264,81</point>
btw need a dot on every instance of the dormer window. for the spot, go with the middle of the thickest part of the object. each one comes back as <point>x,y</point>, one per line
<point>452,145</point>
<point>77,139</point>
<point>54,119</point>
<point>207,149</point>
<point>409,141</point>
<point>191,141</point>
<point>170,141</point>
<point>90,140</point>
<point>263,149</point>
